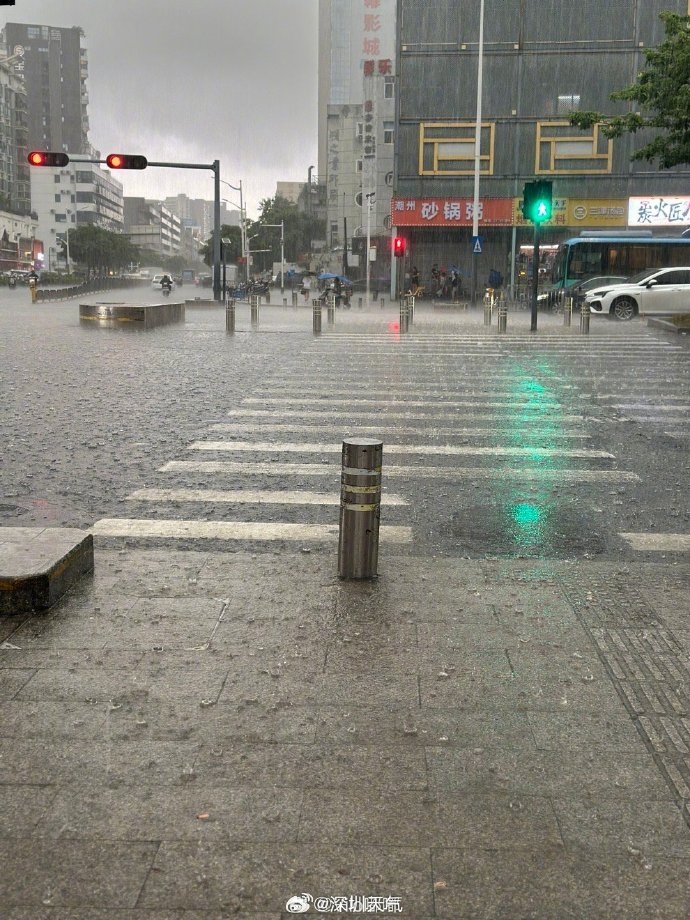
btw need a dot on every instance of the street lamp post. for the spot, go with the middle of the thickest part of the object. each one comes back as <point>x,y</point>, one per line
<point>243,227</point>
<point>477,153</point>
<point>369,196</point>
<point>282,252</point>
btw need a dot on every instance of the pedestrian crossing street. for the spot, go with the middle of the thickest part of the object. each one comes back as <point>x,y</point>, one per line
<point>474,420</point>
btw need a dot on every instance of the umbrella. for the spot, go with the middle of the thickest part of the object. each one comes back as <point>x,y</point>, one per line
<point>326,276</point>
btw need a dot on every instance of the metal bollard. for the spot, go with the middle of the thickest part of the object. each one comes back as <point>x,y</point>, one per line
<point>383,302</point>
<point>331,309</point>
<point>488,305</point>
<point>404,315</point>
<point>359,302</point>
<point>360,508</point>
<point>410,307</point>
<point>567,311</point>
<point>294,298</point>
<point>316,318</point>
<point>267,295</point>
<point>502,316</point>
<point>254,309</point>
<point>584,318</point>
<point>230,316</point>
<point>285,301</point>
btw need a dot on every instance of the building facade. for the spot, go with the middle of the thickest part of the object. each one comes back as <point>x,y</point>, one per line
<point>357,130</point>
<point>152,226</point>
<point>540,62</point>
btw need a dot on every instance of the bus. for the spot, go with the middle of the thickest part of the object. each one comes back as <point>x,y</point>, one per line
<point>624,253</point>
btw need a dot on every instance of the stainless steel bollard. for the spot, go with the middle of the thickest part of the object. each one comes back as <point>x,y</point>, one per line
<point>267,295</point>
<point>404,315</point>
<point>488,304</point>
<point>360,508</point>
<point>331,309</point>
<point>254,309</point>
<point>359,302</point>
<point>502,316</point>
<point>567,311</point>
<point>410,307</point>
<point>382,302</point>
<point>230,316</point>
<point>294,298</point>
<point>285,301</point>
<point>316,318</point>
<point>584,318</point>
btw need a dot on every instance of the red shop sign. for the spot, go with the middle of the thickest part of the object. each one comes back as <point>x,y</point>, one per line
<point>451,212</point>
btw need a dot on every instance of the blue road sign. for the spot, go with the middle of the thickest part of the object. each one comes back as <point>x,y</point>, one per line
<point>477,244</point>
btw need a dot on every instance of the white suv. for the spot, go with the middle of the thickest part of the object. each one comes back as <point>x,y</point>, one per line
<point>663,290</point>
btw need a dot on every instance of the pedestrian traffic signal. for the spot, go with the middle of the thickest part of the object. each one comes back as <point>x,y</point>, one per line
<point>537,204</point>
<point>47,158</point>
<point>398,247</point>
<point>126,161</point>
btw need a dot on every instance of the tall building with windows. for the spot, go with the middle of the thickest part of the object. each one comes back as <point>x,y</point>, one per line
<point>54,68</point>
<point>540,62</point>
<point>356,128</point>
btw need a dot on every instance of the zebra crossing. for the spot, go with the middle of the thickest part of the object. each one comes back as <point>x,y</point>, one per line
<point>515,419</point>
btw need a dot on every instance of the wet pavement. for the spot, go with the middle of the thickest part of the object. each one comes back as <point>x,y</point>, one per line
<point>497,727</point>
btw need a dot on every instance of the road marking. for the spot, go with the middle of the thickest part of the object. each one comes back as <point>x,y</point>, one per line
<point>233,530</point>
<point>396,430</point>
<point>352,416</point>
<point>534,402</point>
<point>248,497</point>
<point>658,542</point>
<point>290,447</point>
<point>435,472</point>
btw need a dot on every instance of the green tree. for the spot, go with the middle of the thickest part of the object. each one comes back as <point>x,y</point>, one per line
<point>233,248</point>
<point>662,92</point>
<point>100,250</point>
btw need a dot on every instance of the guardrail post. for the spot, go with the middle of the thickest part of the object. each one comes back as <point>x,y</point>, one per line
<point>230,315</point>
<point>360,508</point>
<point>584,318</point>
<point>316,317</point>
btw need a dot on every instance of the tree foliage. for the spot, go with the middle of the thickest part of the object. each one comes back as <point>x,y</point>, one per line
<point>662,92</point>
<point>233,248</point>
<point>99,250</point>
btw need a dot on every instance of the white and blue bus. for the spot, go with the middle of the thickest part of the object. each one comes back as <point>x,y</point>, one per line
<point>625,253</point>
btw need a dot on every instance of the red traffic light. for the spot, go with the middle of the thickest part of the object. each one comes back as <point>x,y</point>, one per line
<point>126,161</point>
<point>47,158</point>
<point>398,247</point>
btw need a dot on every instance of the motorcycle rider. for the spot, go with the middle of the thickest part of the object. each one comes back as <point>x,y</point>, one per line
<point>166,284</point>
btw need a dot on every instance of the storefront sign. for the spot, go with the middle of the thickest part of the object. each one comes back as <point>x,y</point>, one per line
<point>450,212</point>
<point>659,212</point>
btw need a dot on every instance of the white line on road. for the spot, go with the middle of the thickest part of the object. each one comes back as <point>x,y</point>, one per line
<point>658,542</point>
<point>353,416</point>
<point>397,430</point>
<point>233,530</point>
<point>534,403</point>
<point>290,447</point>
<point>248,497</point>
<point>435,472</point>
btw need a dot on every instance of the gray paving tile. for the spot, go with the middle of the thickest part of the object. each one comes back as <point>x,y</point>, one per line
<point>597,775</point>
<point>642,828</point>
<point>213,874</point>
<point>22,806</point>
<point>570,730</point>
<point>312,766</point>
<point>80,873</point>
<point>506,884</point>
<point>151,813</point>
<point>414,726</point>
<point>485,820</point>
<point>12,680</point>
<point>21,719</point>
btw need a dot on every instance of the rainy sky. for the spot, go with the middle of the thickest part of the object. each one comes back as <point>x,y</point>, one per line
<point>194,81</point>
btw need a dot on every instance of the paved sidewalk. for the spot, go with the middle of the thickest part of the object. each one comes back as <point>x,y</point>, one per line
<point>202,735</point>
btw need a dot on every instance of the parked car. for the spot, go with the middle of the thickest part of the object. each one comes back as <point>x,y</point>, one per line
<point>664,290</point>
<point>156,282</point>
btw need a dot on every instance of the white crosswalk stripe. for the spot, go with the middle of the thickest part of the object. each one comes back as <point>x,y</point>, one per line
<point>339,397</point>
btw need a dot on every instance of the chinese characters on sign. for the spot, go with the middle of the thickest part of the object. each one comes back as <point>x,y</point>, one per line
<point>658,212</point>
<point>450,212</point>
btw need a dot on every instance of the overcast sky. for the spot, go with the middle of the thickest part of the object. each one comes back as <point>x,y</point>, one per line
<point>193,81</point>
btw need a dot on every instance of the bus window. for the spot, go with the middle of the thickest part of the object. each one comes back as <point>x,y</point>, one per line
<point>586,261</point>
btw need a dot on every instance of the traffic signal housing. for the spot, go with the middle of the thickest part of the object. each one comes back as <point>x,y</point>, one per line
<point>537,204</point>
<point>126,161</point>
<point>398,247</point>
<point>47,158</point>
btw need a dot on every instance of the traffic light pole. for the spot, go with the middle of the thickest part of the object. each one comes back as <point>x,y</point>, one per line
<point>535,279</point>
<point>215,166</point>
